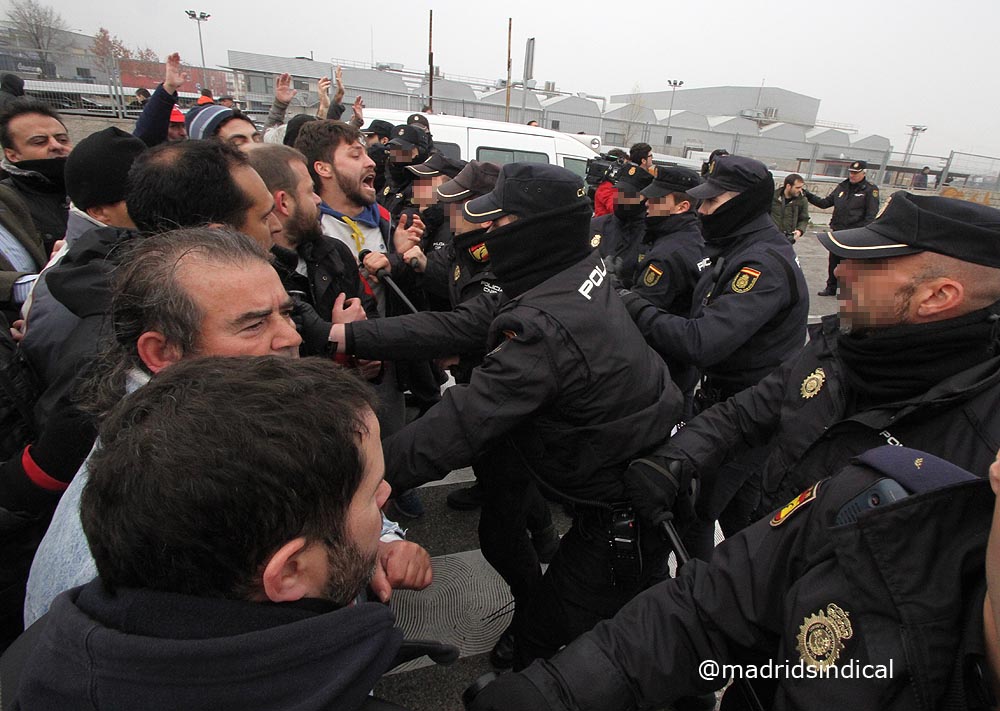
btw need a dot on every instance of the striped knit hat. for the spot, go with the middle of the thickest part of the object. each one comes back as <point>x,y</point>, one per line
<point>203,122</point>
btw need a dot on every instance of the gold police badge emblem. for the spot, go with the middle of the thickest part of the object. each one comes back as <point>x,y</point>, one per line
<point>401,131</point>
<point>652,276</point>
<point>875,193</point>
<point>458,272</point>
<point>745,279</point>
<point>631,171</point>
<point>821,636</point>
<point>595,241</point>
<point>813,383</point>
<point>479,252</point>
<point>386,191</point>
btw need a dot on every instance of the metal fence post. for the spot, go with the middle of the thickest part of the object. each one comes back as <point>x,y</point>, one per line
<point>812,161</point>
<point>947,169</point>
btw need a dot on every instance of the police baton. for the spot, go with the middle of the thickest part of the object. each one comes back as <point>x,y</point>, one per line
<point>750,697</point>
<point>383,275</point>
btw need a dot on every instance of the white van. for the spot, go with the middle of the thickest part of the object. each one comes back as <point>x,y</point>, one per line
<point>497,141</point>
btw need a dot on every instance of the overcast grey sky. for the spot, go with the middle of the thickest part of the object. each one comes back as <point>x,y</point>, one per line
<point>879,64</point>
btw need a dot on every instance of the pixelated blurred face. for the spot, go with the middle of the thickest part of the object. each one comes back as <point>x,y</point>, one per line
<point>245,310</point>
<point>238,132</point>
<point>425,190</point>
<point>37,137</point>
<point>710,205</point>
<point>628,197</point>
<point>876,293</point>
<point>793,190</point>
<point>666,205</point>
<point>459,225</point>
<point>856,176</point>
<point>351,562</point>
<point>402,155</point>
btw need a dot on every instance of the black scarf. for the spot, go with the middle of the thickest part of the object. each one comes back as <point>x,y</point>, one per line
<point>527,252</point>
<point>399,178</point>
<point>52,169</point>
<point>718,228</point>
<point>628,213</point>
<point>471,239</point>
<point>900,362</point>
<point>663,225</point>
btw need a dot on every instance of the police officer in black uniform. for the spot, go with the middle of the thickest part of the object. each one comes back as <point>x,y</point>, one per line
<point>875,577</point>
<point>377,135</point>
<point>618,236</point>
<point>408,146</point>
<point>749,313</point>
<point>855,204</point>
<point>671,254</point>
<point>569,393</point>
<point>912,359</point>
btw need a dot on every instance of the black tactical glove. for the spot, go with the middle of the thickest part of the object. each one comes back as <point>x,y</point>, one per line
<point>653,485</point>
<point>633,302</point>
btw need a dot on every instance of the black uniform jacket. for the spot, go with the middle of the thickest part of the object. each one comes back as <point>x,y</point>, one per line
<point>799,412</point>
<point>748,311</point>
<point>619,242</point>
<point>670,262</point>
<point>854,204</point>
<point>569,379</point>
<point>901,585</point>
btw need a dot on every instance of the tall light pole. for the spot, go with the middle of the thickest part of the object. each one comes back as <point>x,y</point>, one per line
<point>200,17</point>
<point>915,131</point>
<point>674,83</point>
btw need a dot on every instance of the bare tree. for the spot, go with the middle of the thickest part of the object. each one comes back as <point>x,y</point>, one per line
<point>632,116</point>
<point>39,24</point>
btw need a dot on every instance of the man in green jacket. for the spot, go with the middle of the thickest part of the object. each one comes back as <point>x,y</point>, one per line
<point>790,209</point>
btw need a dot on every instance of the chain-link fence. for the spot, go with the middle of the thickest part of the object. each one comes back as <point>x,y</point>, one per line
<point>80,80</point>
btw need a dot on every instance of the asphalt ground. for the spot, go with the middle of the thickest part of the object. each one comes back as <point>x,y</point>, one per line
<point>468,603</point>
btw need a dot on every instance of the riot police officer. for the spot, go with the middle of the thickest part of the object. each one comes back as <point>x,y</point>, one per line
<point>618,236</point>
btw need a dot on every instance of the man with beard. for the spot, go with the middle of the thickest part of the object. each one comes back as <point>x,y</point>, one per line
<point>227,581</point>
<point>619,235</point>
<point>566,395</point>
<point>320,268</point>
<point>748,314</point>
<point>35,145</point>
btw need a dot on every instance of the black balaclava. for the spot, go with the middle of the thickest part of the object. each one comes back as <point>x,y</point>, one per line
<point>751,203</point>
<point>527,252</point>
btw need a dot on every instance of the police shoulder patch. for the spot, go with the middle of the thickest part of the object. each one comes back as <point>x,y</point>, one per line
<point>875,192</point>
<point>794,505</point>
<point>745,280</point>
<point>479,252</point>
<point>651,277</point>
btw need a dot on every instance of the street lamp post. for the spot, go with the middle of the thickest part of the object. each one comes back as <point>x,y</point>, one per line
<point>200,17</point>
<point>674,83</point>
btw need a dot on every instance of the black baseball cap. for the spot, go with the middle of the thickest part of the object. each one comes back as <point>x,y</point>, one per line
<point>379,128</point>
<point>858,166</point>
<point>672,179</point>
<point>437,164</point>
<point>477,178</point>
<point>526,189</point>
<point>730,173</point>
<point>406,137</point>
<point>927,223</point>
<point>418,120</point>
<point>632,178</point>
